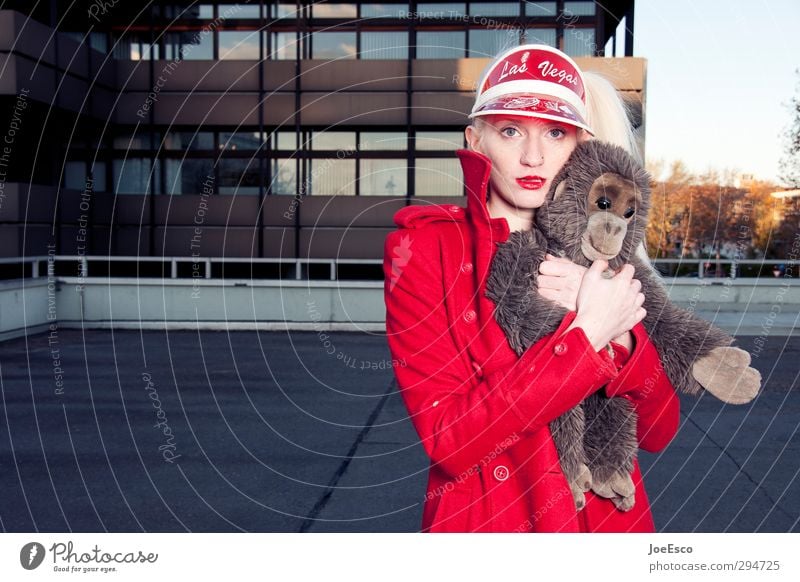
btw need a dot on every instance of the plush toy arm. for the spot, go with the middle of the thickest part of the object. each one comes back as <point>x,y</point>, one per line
<point>695,353</point>
<point>523,314</point>
<point>680,337</point>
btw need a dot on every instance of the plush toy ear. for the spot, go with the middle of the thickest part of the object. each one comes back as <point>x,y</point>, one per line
<point>559,190</point>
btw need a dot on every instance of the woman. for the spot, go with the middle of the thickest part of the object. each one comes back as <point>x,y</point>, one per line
<point>481,412</point>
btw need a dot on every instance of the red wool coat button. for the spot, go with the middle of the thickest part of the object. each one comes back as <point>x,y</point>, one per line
<point>469,316</point>
<point>560,349</point>
<point>501,472</point>
<point>466,268</point>
<point>455,209</point>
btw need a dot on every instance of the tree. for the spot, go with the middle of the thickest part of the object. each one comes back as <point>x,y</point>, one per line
<point>790,162</point>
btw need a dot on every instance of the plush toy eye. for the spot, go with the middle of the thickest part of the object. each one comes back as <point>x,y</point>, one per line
<point>628,213</point>
<point>603,203</point>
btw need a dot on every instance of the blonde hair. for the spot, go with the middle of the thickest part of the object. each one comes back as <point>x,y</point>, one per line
<point>607,114</point>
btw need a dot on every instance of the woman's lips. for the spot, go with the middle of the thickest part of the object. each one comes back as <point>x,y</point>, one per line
<point>531,182</point>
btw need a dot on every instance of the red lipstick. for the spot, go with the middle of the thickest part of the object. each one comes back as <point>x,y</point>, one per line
<point>531,182</point>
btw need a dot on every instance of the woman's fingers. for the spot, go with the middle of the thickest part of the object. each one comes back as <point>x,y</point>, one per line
<point>560,268</point>
<point>549,282</point>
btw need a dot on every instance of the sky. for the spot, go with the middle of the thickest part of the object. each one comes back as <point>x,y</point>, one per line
<point>720,76</point>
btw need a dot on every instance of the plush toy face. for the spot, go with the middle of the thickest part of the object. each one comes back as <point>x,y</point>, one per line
<point>610,207</point>
<point>598,208</point>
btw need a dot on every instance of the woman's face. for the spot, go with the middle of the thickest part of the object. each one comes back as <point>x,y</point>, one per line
<point>526,155</point>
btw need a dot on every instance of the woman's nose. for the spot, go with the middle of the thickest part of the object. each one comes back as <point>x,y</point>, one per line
<point>532,154</point>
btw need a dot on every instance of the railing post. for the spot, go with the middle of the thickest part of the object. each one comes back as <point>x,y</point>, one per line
<point>700,269</point>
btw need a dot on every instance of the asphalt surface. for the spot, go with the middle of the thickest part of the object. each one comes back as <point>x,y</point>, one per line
<point>124,431</point>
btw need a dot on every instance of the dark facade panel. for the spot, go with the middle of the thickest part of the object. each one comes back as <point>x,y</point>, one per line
<point>362,108</point>
<point>348,75</point>
<point>335,243</point>
<point>349,211</point>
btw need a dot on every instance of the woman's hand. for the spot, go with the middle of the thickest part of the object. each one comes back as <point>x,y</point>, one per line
<point>559,280</point>
<point>607,308</point>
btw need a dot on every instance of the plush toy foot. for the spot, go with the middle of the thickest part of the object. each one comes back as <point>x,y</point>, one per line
<point>619,488</point>
<point>725,372</point>
<point>623,503</point>
<point>579,485</point>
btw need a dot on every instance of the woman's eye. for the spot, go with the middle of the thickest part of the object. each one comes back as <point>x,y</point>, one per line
<point>510,131</point>
<point>628,213</point>
<point>557,132</point>
<point>603,203</point>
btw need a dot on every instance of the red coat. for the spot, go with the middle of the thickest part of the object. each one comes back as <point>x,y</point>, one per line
<point>481,412</point>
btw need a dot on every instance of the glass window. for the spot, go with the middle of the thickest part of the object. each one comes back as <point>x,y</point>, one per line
<point>99,41</point>
<point>494,8</point>
<point>540,9</point>
<point>238,45</point>
<point>438,177</point>
<point>282,10</point>
<point>171,11</point>
<point>579,9</point>
<point>135,47</point>
<point>383,140</point>
<point>441,9</point>
<point>333,45</point>
<point>75,175</point>
<point>439,140</point>
<point>286,140</point>
<point>384,10</point>
<point>330,10</point>
<point>131,142</point>
<point>284,176</point>
<point>188,140</point>
<point>440,45</point>
<point>384,45</point>
<point>195,45</point>
<point>579,42</point>
<point>240,141</point>
<point>187,176</point>
<point>238,176</point>
<point>99,176</point>
<point>243,11</point>
<point>333,140</point>
<point>488,43</point>
<point>76,36</point>
<point>541,36</point>
<point>283,46</point>
<point>132,175</point>
<point>383,178</point>
<point>332,176</point>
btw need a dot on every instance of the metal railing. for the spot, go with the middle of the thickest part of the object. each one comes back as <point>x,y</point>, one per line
<point>40,265</point>
<point>82,266</point>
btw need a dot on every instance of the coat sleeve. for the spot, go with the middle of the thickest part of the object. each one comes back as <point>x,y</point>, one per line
<point>460,417</point>
<point>642,380</point>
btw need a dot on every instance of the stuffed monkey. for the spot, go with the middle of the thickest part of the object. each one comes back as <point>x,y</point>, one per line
<point>597,209</point>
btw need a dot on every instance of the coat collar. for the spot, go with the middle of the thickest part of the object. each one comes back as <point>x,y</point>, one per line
<point>477,168</point>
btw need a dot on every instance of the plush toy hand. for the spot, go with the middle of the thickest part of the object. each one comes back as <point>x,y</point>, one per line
<point>727,374</point>
<point>559,280</point>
